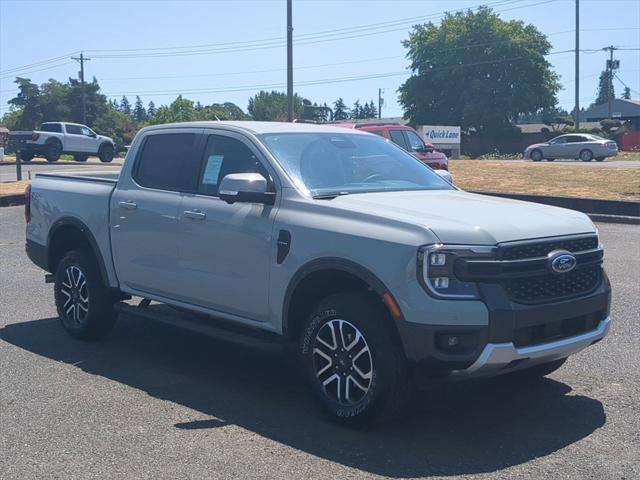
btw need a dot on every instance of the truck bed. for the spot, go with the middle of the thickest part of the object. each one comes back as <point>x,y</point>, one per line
<point>83,197</point>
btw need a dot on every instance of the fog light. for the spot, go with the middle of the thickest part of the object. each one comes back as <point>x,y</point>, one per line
<point>438,259</point>
<point>453,340</point>
<point>441,282</point>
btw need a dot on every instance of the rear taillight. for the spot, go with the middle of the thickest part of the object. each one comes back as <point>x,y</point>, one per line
<point>34,136</point>
<point>27,204</point>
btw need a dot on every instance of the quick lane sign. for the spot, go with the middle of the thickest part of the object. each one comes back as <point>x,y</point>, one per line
<point>439,134</point>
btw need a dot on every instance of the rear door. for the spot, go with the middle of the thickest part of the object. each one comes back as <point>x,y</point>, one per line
<point>144,210</point>
<point>398,138</point>
<point>226,250</point>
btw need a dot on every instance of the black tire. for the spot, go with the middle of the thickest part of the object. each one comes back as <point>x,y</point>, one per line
<point>78,278</point>
<point>82,157</point>
<point>586,155</point>
<point>536,155</point>
<point>600,159</point>
<point>105,153</point>
<point>357,316</point>
<point>54,150</point>
<point>539,371</point>
<point>26,156</point>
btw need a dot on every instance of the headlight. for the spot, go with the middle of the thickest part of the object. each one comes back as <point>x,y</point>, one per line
<point>436,267</point>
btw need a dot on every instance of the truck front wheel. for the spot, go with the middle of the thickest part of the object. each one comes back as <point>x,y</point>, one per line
<point>352,361</point>
<point>106,153</point>
<point>85,305</point>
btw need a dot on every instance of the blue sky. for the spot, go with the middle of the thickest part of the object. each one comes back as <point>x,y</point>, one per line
<point>327,66</point>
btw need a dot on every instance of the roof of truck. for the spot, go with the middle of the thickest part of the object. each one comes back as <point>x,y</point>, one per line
<point>259,127</point>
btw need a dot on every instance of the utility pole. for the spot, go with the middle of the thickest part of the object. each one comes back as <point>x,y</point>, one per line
<point>380,102</point>
<point>289,62</point>
<point>577,82</point>
<point>83,100</point>
<point>611,66</point>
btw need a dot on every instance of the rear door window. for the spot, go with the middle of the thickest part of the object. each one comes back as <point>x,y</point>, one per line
<point>223,156</point>
<point>168,161</point>
<point>398,138</point>
<point>51,127</point>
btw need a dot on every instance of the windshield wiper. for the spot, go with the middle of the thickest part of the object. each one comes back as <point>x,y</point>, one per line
<point>329,196</point>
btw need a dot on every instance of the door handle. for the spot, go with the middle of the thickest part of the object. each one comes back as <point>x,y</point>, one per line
<point>128,205</point>
<point>195,214</point>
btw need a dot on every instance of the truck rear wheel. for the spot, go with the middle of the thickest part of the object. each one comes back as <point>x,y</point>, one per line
<point>352,361</point>
<point>26,156</point>
<point>85,304</point>
<point>54,150</point>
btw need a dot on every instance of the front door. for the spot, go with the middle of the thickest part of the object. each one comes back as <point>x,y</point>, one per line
<point>145,211</point>
<point>226,250</point>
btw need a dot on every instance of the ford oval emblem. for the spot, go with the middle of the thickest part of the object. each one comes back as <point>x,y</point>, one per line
<point>562,261</point>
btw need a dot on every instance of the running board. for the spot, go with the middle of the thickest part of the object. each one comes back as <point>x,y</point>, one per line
<point>205,325</point>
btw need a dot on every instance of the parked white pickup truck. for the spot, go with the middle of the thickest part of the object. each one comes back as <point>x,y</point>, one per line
<point>55,138</point>
<point>373,267</point>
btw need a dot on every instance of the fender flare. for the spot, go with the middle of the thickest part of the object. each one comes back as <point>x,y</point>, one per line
<point>332,263</point>
<point>74,222</point>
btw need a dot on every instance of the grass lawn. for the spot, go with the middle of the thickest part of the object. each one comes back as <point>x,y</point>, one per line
<point>13,188</point>
<point>547,179</point>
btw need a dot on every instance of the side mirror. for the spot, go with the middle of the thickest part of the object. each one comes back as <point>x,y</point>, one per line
<point>446,175</point>
<point>245,187</point>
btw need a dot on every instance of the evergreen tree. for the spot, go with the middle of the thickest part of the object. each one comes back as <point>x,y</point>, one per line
<point>115,104</point>
<point>125,106</point>
<point>627,93</point>
<point>151,110</point>
<point>139,112</point>
<point>198,106</point>
<point>603,89</point>
<point>356,111</point>
<point>340,110</point>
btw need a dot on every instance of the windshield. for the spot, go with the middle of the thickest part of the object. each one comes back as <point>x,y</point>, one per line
<point>338,164</point>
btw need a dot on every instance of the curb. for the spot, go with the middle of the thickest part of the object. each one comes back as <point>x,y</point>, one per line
<point>590,206</point>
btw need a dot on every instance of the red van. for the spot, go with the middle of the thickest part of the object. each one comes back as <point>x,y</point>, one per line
<point>407,138</point>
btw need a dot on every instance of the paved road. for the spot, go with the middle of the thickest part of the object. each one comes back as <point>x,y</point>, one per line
<point>151,401</point>
<point>8,172</point>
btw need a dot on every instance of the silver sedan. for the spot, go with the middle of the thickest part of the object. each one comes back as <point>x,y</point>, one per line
<point>584,147</point>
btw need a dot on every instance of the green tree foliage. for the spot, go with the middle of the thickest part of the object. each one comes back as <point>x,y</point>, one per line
<point>558,122</point>
<point>340,110</point>
<point>272,106</point>
<point>610,124</point>
<point>151,110</point>
<point>125,106</point>
<point>117,125</point>
<point>626,94</point>
<point>96,103</point>
<point>477,71</point>
<point>603,89</point>
<point>184,110</point>
<point>139,112</point>
<point>28,103</point>
<point>356,110</point>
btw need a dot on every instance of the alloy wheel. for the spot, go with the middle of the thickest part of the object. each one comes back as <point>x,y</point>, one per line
<point>342,361</point>
<point>75,296</point>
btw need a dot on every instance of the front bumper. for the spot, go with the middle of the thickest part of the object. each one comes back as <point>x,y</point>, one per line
<point>498,358</point>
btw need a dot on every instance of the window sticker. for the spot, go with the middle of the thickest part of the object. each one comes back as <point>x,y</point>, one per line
<point>212,170</point>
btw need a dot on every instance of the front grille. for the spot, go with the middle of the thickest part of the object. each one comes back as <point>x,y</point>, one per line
<point>554,286</point>
<point>541,249</point>
<point>557,330</point>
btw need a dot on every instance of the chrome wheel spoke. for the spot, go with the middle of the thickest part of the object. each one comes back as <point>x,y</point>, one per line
<point>75,295</point>
<point>345,376</point>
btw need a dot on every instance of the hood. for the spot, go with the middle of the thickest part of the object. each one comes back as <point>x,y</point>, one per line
<point>102,137</point>
<point>458,217</point>
<point>537,145</point>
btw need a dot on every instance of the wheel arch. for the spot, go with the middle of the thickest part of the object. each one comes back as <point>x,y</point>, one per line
<point>325,276</point>
<point>70,233</point>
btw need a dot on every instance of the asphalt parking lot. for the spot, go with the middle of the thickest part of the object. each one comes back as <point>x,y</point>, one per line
<point>8,171</point>
<point>152,401</point>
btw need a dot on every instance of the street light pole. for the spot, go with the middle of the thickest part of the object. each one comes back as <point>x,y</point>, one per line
<point>577,82</point>
<point>289,62</point>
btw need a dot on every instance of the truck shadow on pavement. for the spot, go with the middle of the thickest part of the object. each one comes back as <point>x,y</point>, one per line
<point>453,429</point>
